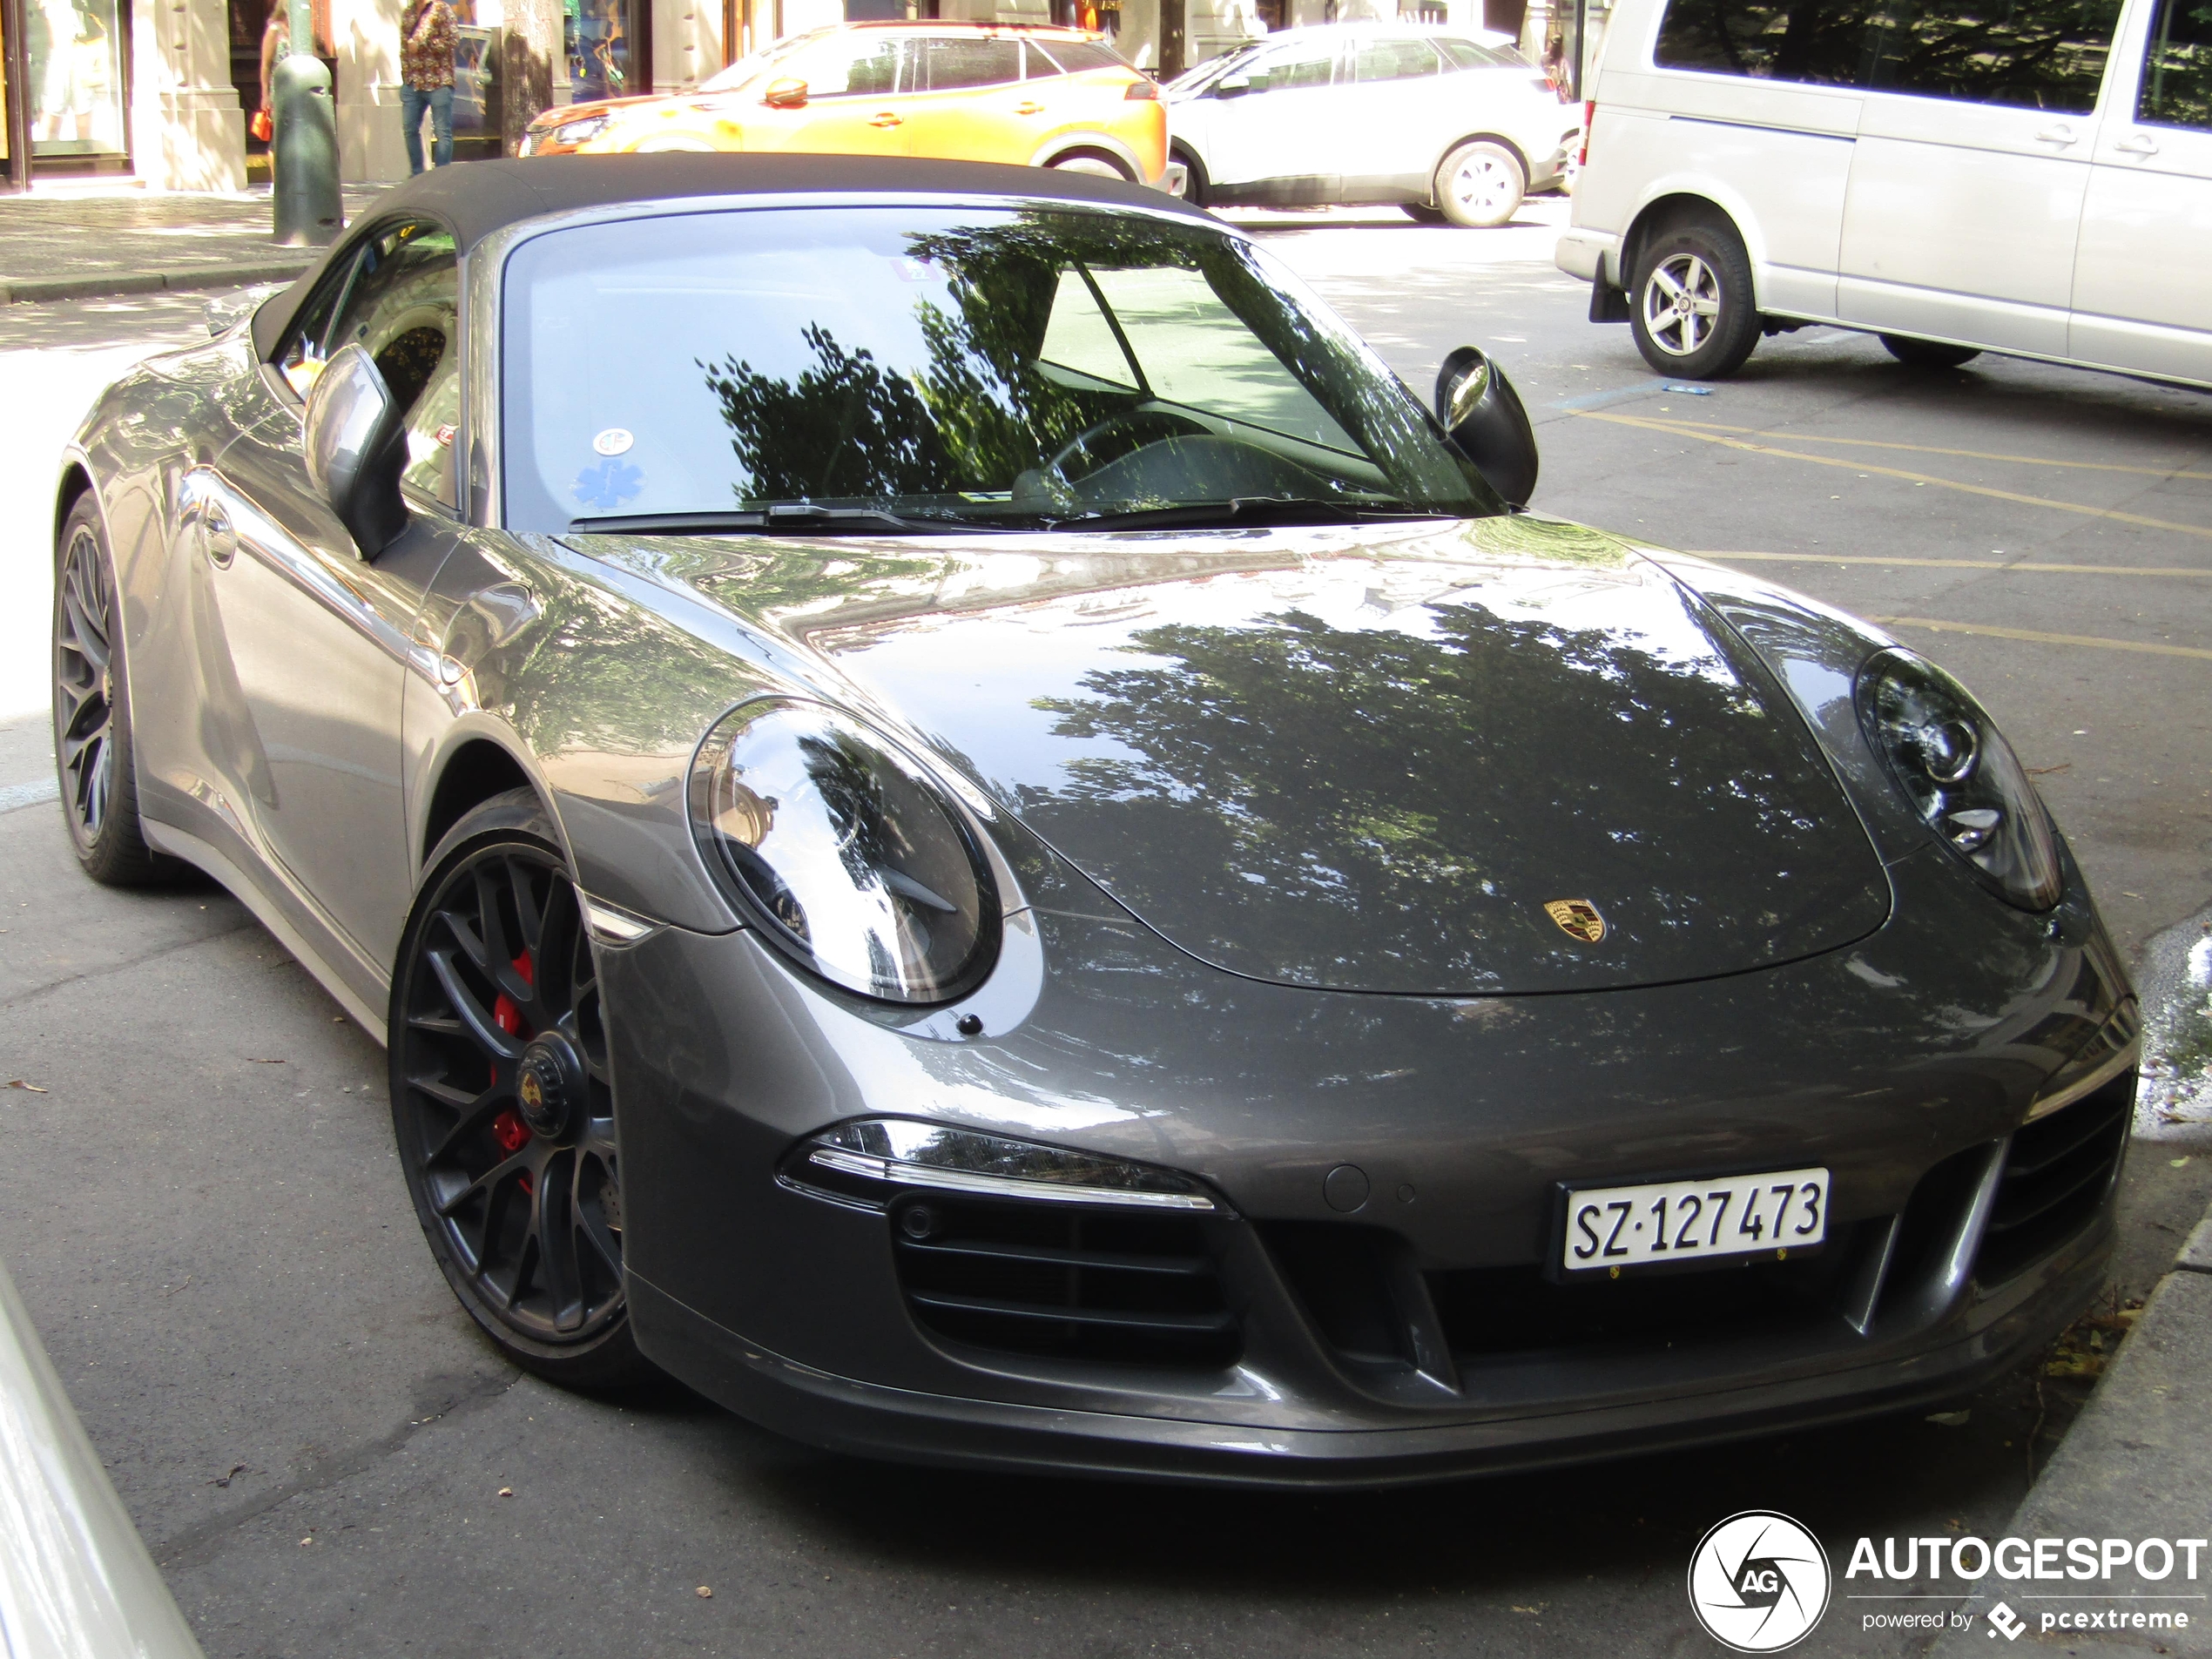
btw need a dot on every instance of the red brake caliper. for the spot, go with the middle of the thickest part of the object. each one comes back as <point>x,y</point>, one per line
<point>508,1129</point>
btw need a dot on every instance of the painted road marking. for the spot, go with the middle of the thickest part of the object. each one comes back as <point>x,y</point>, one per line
<point>1930,449</point>
<point>2034,637</point>
<point>1864,468</point>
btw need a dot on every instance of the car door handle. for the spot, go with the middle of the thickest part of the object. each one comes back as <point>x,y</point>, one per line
<point>888,118</point>
<point>2058,132</point>
<point>2137,143</point>
<point>1029,109</point>
<point>217,533</point>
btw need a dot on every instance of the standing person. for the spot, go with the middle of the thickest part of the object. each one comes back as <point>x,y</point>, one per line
<point>426,79</point>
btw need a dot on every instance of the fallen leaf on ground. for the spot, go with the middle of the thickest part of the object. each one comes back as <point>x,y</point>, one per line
<point>703,1593</point>
<point>17,1082</point>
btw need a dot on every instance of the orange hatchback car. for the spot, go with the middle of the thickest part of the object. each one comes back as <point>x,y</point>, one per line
<point>1051,98</point>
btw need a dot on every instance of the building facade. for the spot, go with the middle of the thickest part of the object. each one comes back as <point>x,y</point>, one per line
<point>167,90</point>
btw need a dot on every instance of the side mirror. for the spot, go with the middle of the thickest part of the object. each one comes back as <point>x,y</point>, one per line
<point>1232,86</point>
<point>1479,409</point>
<point>784,95</point>
<point>356,446</point>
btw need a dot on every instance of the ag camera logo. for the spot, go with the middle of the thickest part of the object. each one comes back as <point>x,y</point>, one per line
<point>1758,1582</point>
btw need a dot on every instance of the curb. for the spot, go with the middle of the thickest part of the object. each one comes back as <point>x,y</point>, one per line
<point>2134,1464</point>
<point>111,284</point>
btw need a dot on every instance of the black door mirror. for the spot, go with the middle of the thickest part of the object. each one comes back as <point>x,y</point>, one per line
<point>1479,409</point>
<point>356,446</point>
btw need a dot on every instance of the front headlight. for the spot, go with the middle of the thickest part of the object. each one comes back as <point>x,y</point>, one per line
<point>872,1160</point>
<point>854,860</point>
<point>1960,775</point>
<point>580,131</point>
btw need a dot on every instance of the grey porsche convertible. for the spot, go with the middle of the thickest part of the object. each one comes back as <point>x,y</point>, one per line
<point>972,831</point>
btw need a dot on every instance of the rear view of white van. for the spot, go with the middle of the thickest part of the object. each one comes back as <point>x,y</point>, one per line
<point>2032,177</point>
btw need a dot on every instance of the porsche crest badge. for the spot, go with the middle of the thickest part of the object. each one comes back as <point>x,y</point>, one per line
<point>533,1092</point>
<point>1577,918</point>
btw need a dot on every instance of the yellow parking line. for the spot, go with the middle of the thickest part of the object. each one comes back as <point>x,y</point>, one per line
<point>1672,429</point>
<point>2034,637</point>
<point>2007,565</point>
<point>1967,455</point>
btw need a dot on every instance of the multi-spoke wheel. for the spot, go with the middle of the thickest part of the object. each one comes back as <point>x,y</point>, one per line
<point>502,1101</point>
<point>1691,310</point>
<point>1480,185</point>
<point>92,712</point>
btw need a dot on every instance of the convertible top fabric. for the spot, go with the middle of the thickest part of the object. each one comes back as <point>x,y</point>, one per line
<point>476,199</point>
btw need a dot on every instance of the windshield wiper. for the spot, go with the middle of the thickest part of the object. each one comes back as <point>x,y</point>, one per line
<point>1243,510</point>
<point>792,518</point>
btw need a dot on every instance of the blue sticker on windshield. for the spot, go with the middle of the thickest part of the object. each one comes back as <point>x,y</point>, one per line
<point>608,484</point>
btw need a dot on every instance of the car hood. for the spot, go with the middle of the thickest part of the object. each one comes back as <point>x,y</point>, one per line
<point>1501,755</point>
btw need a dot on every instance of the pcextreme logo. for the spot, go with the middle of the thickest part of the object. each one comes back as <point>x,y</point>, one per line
<point>1758,1582</point>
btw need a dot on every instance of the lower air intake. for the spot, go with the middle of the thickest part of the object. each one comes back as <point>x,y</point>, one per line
<point>1064,1280</point>
<point>2057,1173</point>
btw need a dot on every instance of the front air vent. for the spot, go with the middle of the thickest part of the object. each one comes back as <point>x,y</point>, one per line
<point>2057,1173</point>
<point>1063,1280</point>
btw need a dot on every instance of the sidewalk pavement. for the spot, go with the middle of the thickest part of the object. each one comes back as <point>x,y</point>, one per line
<point>85,245</point>
<point>2136,1464</point>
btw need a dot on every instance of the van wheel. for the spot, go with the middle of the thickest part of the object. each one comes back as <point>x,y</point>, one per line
<point>1927,353</point>
<point>1481,185</point>
<point>1691,310</point>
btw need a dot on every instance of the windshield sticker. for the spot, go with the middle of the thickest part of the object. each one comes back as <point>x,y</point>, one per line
<point>614,440</point>
<point>608,484</point>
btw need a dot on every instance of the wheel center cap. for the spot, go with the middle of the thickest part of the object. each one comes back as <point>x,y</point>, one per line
<point>549,1085</point>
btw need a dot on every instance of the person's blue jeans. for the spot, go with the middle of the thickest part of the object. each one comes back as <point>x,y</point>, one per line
<point>438,102</point>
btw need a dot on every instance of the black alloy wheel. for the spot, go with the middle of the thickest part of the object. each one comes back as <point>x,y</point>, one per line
<point>502,1101</point>
<point>92,759</point>
<point>1927,353</point>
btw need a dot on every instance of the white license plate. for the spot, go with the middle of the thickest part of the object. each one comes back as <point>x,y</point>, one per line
<point>1682,1221</point>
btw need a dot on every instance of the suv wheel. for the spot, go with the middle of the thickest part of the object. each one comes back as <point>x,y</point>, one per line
<point>1691,310</point>
<point>1481,185</point>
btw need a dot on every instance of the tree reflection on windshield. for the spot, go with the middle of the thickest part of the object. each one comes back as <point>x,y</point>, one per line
<point>985,423</point>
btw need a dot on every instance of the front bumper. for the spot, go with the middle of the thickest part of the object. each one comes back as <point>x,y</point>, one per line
<point>1403,1330</point>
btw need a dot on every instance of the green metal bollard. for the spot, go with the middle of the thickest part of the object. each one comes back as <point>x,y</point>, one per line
<point>304,151</point>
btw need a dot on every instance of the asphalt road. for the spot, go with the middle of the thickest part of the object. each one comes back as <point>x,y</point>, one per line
<point>203,1213</point>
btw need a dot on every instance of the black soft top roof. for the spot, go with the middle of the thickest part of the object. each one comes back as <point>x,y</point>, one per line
<point>476,199</point>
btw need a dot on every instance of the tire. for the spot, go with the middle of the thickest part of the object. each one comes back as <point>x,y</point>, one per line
<point>1195,189</point>
<point>517,1192</point>
<point>1927,353</point>
<point>1481,185</point>
<point>1692,310</point>
<point>94,764</point>
<point>1422,213</point>
<point>1093,165</point>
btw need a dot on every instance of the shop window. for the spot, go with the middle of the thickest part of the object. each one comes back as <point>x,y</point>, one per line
<point>609,54</point>
<point>77,87</point>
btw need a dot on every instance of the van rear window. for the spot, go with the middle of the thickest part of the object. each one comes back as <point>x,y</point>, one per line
<point>2040,54</point>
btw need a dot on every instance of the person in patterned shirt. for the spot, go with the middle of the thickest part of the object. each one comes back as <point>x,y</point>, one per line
<point>426,79</point>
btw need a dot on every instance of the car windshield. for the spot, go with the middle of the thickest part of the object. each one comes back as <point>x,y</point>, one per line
<point>865,368</point>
